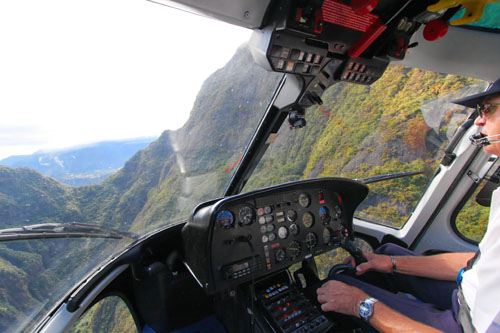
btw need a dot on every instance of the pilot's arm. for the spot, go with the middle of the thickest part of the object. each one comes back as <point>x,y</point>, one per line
<point>443,266</point>
<point>340,297</point>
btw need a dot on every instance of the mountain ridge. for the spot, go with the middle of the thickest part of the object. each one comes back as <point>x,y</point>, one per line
<point>82,164</point>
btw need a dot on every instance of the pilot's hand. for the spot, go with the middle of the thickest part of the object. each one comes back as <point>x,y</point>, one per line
<point>375,262</point>
<point>339,297</point>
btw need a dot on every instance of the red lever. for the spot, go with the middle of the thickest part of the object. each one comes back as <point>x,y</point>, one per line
<point>375,30</point>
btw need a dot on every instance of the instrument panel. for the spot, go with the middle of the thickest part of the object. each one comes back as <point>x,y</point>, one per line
<point>248,236</point>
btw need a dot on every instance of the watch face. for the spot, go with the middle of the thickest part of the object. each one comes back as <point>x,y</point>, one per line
<point>366,308</point>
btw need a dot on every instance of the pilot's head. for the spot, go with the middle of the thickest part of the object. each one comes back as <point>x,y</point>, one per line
<point>487,105</point>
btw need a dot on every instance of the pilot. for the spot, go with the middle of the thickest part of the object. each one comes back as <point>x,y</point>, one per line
<point>454,292</point>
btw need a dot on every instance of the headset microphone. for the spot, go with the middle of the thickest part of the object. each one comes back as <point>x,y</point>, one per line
<point>481,140</point>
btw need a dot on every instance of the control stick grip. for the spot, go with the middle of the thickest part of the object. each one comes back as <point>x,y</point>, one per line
<point>355,252</point>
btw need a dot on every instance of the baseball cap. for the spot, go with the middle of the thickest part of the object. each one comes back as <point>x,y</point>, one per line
<point>473,100</point>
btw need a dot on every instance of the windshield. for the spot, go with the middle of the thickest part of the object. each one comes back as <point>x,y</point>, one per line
<point>126,67</point>
<point>133,70</point>
<point>401,123</point>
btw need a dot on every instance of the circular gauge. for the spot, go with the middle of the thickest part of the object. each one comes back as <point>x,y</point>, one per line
<point>282,232</point>
<point>324,214</point>
<point>294,249</point>
<point>280,255</point>
<point>272,236</point>
<point>225,219</point>
<point>291,215</point>
<point>262,220</point>
<point>311,240</point>
<point>307,219</point>
<point>327,235</point>
<point>263,229</point>
<point>270,227</point>
<point>304,200</point>
<point>246,215</point>
<point>294,229</point>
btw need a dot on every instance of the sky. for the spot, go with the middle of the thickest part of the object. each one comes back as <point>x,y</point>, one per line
<point>77,72</point>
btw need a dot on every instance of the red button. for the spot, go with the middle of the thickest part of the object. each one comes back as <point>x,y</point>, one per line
<point>435,30</point>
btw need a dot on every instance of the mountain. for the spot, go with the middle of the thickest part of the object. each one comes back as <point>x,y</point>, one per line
<point>81,165</point>
<point>356,133</point>
<point>159,184</point>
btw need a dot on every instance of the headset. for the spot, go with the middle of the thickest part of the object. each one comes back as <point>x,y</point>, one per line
<point>481,140</point>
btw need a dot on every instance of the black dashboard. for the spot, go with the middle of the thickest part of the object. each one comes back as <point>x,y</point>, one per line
<point>237,239</point>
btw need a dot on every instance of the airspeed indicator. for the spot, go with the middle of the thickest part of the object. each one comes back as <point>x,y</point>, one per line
<point>246,215</point>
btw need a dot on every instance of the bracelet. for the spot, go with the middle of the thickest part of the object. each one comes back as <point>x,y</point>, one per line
<point>460,275</point>
<point>393,260</point>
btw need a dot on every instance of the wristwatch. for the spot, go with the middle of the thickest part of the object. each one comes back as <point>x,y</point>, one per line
<point>365,308</point>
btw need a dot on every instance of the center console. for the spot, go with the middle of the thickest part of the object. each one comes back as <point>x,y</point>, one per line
<point>287,310</point>
<point>244,245</point>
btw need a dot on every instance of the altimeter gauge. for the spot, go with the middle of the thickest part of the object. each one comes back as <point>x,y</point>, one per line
<point>308,219</point>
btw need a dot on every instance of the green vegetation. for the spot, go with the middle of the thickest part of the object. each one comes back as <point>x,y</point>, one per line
<point>363,131</point>
<point>472,219</point>
<point>111,314</point>
<point>358,132</point>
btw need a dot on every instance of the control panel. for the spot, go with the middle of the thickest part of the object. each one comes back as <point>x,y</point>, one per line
<point>241,238</point>
<point>288,310</point>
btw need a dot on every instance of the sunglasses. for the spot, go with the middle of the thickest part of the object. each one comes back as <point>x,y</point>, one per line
<point>484,109</point>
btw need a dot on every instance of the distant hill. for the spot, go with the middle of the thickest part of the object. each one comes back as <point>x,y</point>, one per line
<point>81,165</point>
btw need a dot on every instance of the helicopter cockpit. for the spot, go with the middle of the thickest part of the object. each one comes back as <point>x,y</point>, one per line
<point>243,262</point>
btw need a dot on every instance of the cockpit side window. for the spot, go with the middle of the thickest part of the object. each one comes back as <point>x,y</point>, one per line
<point>111,314</point>
<point>399,125</point>
<point>471,216</point>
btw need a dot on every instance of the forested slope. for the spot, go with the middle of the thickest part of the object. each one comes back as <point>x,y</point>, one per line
<point>363,131</point>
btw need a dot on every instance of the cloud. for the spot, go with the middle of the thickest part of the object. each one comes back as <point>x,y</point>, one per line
<point>81,72</point>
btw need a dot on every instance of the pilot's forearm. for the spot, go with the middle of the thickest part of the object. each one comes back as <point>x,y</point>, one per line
<point>339,297</point>
<point>385,319</point>
<point>441,266</point>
